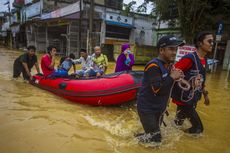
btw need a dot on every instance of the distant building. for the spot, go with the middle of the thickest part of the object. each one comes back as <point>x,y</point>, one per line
<point>65,24</point>
<point>165,28</point>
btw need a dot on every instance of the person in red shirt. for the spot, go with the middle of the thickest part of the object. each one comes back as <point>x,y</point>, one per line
<point>48,61</point>
<point>194,68</point>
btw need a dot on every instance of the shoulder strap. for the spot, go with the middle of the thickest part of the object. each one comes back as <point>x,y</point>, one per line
<point>157,63</point>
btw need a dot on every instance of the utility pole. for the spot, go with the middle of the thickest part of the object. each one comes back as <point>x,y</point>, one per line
<point>218,39</point>
<point>79,27</point>
<point>91,17</point>
<point>9,17</point>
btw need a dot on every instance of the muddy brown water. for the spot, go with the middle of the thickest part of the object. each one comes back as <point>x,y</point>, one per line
<point>36,121</point>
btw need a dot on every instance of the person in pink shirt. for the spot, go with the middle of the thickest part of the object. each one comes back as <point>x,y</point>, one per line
<point>48,61</point>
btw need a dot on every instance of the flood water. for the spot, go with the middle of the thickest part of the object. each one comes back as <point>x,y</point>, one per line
<point>36,121</point>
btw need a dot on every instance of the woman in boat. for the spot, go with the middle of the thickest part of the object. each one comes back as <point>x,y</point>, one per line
<point>125,60</point>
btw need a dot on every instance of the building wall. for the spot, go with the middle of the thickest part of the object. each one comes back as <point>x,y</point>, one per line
<point>49,6</point>
<point>41,38</point>
<point>143,32</point>
<point>114,4</point>
<point>73,37</point>
<point>158,33</point>
<point>30,35</point>
<point>100,2</point>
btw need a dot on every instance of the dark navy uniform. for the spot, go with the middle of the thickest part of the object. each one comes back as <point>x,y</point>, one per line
<point>153,97</point>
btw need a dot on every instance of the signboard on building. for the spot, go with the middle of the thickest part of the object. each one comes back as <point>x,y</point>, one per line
<point>219,31</point>
<point>119,18</point>
<point>68,10</point>
<point>33,10</point>
<point>184,50</point>
<point>57,23</point>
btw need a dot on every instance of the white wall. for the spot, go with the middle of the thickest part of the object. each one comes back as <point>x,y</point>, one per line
<point>143,32</point>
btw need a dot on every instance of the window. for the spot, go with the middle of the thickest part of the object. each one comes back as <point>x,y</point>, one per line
<point>117,32</point>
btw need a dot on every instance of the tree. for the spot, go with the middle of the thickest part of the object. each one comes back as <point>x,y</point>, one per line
<point>127,8</point>
<point>193,15</point>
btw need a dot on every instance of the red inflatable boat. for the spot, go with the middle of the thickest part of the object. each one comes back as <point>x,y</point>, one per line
<point>112,89</point>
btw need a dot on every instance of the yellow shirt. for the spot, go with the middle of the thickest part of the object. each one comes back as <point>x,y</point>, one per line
<point>100,62</point>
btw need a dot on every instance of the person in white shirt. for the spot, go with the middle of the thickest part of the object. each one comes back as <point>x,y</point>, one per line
<point>86,62</point>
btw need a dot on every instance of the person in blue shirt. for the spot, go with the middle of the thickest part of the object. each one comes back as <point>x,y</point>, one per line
<point>65,65</point>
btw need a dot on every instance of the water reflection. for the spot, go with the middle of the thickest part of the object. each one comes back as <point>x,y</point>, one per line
<point>33,120</point>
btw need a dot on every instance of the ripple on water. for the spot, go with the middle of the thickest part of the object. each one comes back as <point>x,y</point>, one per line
<point>47,121</point>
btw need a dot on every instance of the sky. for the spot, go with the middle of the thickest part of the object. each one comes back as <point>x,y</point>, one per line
<point>138,3</point>
<point>3,7</point>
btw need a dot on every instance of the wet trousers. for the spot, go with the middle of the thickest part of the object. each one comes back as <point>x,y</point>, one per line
<point>151,123</point>
<point>18,69</point>
<point>190,113</point>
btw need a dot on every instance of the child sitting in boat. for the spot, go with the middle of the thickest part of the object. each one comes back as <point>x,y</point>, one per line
<point>65,65</point>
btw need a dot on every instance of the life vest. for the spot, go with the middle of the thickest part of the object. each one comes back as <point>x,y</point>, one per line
<point>156,61</point>
<point>196,77</point>
<point>147,100</point>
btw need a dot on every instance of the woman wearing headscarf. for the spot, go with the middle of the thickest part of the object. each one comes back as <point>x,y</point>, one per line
<point>125,60</point>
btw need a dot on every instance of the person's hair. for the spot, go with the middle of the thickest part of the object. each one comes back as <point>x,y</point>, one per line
<point>31,47</point>
<point>83,50</point>
<point>50,48</point>
<point>200,37</point>
<point>72,56</point>
<point>97,47</point>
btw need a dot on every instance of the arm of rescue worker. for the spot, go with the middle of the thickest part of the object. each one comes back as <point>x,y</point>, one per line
<point>184,64</point>
<point>157,83</point>
<point>24,61</point>
<point>37,67</point>
<point>27,69</point>
<point>36,64</point>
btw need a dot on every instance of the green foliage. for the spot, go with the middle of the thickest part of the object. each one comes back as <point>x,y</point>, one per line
<point>142,8</point>
<point>127,8</point>
<point>193,15</point>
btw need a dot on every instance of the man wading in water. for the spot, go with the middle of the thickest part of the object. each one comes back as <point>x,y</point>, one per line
<point>193,65</point>
<point>155,91</point>
<point>24,63</point>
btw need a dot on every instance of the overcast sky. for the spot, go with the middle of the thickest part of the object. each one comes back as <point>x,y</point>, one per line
<point>139,2</point>
<point>3,7</point>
